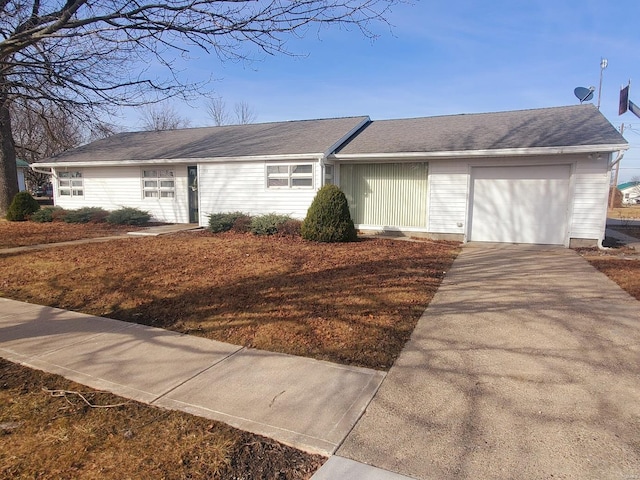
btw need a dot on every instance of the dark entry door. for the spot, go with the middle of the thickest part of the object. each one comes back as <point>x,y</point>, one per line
<point>192,173</point>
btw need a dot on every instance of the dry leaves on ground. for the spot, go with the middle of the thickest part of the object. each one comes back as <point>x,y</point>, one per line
<point>52,437</point>
<point>354,303</point>
<point>21,234</point>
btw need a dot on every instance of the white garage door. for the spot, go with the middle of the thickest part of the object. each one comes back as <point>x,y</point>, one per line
<point>520,204</point>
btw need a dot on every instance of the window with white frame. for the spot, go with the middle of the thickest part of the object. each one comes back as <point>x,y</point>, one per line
<point>158,183</point>
<point>290,176</point>
<point>328,174</point>
<point>70,184</point>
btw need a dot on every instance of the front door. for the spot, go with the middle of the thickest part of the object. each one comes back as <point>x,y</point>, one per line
<point>192,173</point>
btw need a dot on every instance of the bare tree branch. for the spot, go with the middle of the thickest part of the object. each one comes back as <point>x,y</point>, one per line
<point>244,113</point>
<point>84,56</point>
<point>162,117</point>
<point>217,110</point>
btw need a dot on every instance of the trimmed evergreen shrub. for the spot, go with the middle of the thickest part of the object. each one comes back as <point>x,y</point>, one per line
<point>267,224</point>
<point>45,215</point>
<point>86,215</point>
<point>223,222</point>
<point>328,218</point>
<point>290,228</point>
<point>128,216</point>
<point>22,206</point>
<point>242,224</point>
<point>58,214</point>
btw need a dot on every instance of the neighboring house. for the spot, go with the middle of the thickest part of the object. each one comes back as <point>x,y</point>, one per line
<point>530,176</point>
<point>21,166</point>
<point>630,192</point>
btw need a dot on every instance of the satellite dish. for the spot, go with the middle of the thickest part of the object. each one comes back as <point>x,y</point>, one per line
<point>584,94</point>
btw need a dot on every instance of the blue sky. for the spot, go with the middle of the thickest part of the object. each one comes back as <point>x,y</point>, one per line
<point>442,58</point>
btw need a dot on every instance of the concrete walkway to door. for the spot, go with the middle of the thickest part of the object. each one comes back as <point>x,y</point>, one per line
<point>525,365</point>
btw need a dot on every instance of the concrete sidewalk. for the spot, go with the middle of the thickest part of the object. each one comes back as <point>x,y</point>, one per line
<point>154,231</point>
<point>309,404</point>
<point>525,365</point>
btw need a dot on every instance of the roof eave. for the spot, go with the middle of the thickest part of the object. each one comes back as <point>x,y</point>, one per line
<point>181,161</point>
<point>502,152</point>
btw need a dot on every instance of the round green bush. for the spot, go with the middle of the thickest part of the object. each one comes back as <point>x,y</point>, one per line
<point>22,206</point>
<point>328,218</point>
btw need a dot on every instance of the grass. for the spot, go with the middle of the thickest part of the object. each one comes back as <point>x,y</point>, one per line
<point>349,303</point>
<point>21,234</point>
<point>49,432</point>
<point>627,212</point>
<point>625,272</point>
<point>622,265</point>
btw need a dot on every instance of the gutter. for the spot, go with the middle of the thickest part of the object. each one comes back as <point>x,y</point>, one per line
<point>503,152</point>
<point>182,161</point>
<point>35,169</point>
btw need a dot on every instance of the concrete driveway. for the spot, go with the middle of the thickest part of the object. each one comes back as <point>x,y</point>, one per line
<point>525,365</point>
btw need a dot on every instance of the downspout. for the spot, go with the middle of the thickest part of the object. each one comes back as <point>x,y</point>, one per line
<point>321,162</point>
<point>617,160</point>
<point>611,165</point>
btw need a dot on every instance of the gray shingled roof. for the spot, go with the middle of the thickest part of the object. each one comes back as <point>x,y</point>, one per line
<point>281,138</point>
<point>578,125</point>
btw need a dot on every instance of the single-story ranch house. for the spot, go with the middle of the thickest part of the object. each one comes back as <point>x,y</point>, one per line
<point>531,176</point>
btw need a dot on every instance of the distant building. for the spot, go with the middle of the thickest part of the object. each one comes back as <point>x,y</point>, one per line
<point>21,167</point>
<point>630,192</point>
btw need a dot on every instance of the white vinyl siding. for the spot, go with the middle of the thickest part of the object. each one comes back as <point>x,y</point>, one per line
<point>388,195</point>
<point>448,185</point>
<point>241,186</point>
<point>591,193</point>
<point>115,187</point>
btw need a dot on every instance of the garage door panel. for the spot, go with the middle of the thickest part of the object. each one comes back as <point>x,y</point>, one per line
<point>520,204</point>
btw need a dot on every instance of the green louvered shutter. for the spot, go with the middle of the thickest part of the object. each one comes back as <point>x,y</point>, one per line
<point>386,194</point>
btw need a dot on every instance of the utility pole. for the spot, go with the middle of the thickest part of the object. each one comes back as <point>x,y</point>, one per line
<point>615,178</point>
<point>603,64</point>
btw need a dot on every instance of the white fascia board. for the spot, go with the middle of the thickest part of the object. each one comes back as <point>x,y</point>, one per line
<point>504,152</point>
<point>347,136</point>
<point>182,161</point>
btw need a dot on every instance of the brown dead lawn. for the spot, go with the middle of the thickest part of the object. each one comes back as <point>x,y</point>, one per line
<point>626,212</point>
<point>621,267</point>
<point>354,303</point>
<point>48,431</point>
<point>22,234</point>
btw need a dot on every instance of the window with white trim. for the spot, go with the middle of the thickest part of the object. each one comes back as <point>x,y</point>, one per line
<point>158,183</point>
<point>290,176</point>
<point>70,184</point>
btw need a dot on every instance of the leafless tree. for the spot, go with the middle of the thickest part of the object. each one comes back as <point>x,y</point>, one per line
<point>82,55</point>
<point>244,113</point>
<point>156,117</point>
<point>217,110</point>
<point>46,132</point>
<point>43,133</point>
